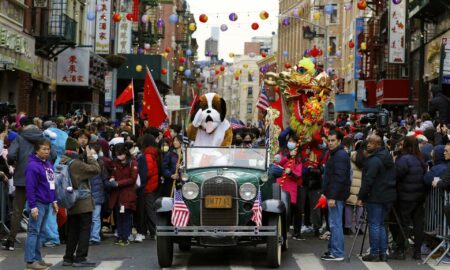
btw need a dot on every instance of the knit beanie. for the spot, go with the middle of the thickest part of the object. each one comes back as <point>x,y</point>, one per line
<point>72,144</point>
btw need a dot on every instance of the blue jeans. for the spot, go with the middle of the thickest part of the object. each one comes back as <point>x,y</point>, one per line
<point>50,232</point>
<point>96,223</point>
<point>35,227</point>
<point>376,212</point>
<point>336,242</point>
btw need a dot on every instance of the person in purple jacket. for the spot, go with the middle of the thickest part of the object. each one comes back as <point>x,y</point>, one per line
<point>40,192</point>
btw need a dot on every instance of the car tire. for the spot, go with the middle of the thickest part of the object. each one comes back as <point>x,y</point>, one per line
<point>164,244</point>
<point>274,244</point>
<point>184,247</point>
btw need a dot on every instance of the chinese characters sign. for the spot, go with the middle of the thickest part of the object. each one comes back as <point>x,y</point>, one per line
<point>103,27</point>
<point>73,67</point>
<point>123,37</point>
<point>397,32</point>
<point>359,37</point>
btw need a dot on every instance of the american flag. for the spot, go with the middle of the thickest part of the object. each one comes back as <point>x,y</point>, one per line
<point>180,212</point>
<point>263,100</point>
<point>235,124</point>
<point>257,210</point>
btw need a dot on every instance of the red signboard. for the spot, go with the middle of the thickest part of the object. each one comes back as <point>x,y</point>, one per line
<point>392,92</point>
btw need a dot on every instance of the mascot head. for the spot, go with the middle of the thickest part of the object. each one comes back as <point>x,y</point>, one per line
<point>213,110</point>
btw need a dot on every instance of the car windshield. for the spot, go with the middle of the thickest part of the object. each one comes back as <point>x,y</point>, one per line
<point>200,157</point>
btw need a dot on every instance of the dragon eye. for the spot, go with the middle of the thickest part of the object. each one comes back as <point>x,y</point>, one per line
<point>301,70</point>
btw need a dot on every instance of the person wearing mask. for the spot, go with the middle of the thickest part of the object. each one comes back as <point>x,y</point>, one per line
<point>440,164</point>
<point>336,188</point>
<point>123,196</point>
<point>411,192</point>
<point>79,217</point>
<point>83,136</point>
<point>40,191</point>
<point>168,168</point>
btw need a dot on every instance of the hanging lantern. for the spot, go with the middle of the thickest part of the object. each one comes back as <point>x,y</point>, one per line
<point>160,23</point>
<point>163,71</point>
<point>173,18</point>
<point>348,6</point>
<point>223,27</point>
<point>328,9</point>
<point>117,17</point>
<point>255,26</point>
<point>130,16</point>
<point>285,22</point>
<point>361,4</point>
<point>233,17</point>
<point>314,52</point>
<point>363,46</point>
<point>287,65</point>
<point>168,50</point>
<point>203,18</point>
<point>264,15</point>
<point>192,27</point>
<point>351,44</point>
<point>138,68</point>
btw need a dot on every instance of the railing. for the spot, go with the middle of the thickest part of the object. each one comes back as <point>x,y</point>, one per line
<point>57,24</point>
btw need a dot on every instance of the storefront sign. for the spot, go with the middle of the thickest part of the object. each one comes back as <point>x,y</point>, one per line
<point>17,49</point>
<point>103,27</point>
<point>172,102</point>
<point>123,37</point>
<point>359,37</point>
<point>397,24</point>
<point>446,65</point>
<point>73,67</point>
<point>108,86</point>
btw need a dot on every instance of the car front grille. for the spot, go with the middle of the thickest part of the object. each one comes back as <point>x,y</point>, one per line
<point>218,216</point>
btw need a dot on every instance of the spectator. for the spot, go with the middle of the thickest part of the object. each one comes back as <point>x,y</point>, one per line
<point>168,168</point>
<point>440,164</point>
<point>439,105</point>
<point>79,217</point>
<point>40,192</point>
<point>426,122</point>
<point>378,193</point>
<point>336,188</point>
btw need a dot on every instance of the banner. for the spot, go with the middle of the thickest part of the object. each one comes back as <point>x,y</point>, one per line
<point>397,10</point>
<point>103,27</point>
<point>73,67</point>
<point>123,37</point>
<point>359,37</point>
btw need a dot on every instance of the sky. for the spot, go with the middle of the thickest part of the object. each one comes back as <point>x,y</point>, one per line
<point>239,31</point>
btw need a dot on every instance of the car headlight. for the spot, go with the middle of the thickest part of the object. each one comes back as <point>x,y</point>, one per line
<point>184,177</point>
<point>264,177</point>
<point>190,191</point>
<point>247,191</point>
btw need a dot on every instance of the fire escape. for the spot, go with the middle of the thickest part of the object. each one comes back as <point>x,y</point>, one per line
<point>373,41</point>
<point>56,31</point>
<point>149,32</point>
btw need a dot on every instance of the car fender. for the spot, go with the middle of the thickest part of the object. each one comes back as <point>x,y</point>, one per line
<point>164,204</point>
<point>273,206</point>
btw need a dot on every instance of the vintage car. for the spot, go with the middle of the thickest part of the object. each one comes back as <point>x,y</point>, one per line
<point>219,186</point>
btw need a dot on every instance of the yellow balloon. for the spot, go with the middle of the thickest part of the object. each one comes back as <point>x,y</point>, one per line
<point>192,27</point>
<point>349,66</point>
<point>181,68</point>
<point>317,16</point>
<point>164,54</point>
<point>300,12</point>
<point>219,77</point>
<point>138,68</point>
<point>231,55</point>
<point>350,57</point>
<point>363,46</point>
<point>245,66</point>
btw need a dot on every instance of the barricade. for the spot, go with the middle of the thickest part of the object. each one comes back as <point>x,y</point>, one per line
<point>435,222</point>
<point>4,191</point>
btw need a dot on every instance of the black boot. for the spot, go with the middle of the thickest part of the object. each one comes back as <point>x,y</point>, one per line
<point>371,258</point>
<point>397,255</point>
<point>383,257</point>
<point>417,255</point>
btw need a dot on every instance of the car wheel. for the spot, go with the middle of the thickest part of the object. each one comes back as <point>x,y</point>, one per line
<point>274,243</point>
<point>184,246</point>
<point>164,245</point>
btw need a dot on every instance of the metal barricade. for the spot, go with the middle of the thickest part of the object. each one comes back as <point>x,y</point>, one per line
<point>4,191</point>
<point>435,222</point>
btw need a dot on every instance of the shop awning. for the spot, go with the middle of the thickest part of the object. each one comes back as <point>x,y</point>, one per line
<point>392,92</point>
<point>346,103</point>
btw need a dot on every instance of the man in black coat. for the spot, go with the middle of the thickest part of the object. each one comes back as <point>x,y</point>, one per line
<point>336,188</point>
<point>378,192</point>
<point>440,103</point>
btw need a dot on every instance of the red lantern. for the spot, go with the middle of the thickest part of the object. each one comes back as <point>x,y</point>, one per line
<point>203,18</point>
<point>182,60</point>
<point>168,50</point>
<point>199,85</point>
<point>129,16</point>
<point>255,26</point>
<point>217,71</point>
<point>163,71</point>
<point>117,17</point>
<point>351,44</point>
<point>287,65</point>
<point>236,78</point>
<point>362,4</point>
<point>263,54</point>
<point>314,52</point>
<point>222,68</point>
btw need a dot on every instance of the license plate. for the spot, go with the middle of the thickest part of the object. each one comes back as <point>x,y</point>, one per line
<point>218,201</point>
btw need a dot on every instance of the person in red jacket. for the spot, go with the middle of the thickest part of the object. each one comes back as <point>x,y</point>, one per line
<point>123,196</point>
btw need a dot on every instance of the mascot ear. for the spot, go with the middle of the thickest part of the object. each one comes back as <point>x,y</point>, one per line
<point>223,112</point>
<point>195,108</point>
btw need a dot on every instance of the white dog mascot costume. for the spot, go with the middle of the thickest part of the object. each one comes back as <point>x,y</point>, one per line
<point>208,125</point>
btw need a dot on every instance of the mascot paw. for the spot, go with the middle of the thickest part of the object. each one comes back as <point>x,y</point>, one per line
<point>198,118</point>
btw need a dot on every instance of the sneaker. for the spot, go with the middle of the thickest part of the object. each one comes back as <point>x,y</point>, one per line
<point>383,257</point>
<point>49,244</point>
<point>125,243</point>
<point>67,263</point>
<point>298,237</point>
<point>94,243</point>
<point>35,266</point>
<point>397,255</point>
<point>84,264</point>
<point>329,257</point>
<point>105,229</point>
<point>446,259</point>
<point>131,238</point>
<point>371,258</point>
<point>325,236</point>
<point>8,245</point>
<point>43,263</point>
<point>116,234</point>
<point>306,229</point>
<point>139,238</point>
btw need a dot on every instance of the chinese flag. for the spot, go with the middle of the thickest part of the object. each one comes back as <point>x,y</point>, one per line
<point>127,95</point>
<point>152,104</point>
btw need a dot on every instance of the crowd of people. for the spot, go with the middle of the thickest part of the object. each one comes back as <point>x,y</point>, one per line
<point>361,172</point>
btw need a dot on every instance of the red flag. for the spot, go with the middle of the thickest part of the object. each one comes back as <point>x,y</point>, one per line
<point>194,100</point>
<point>152,104</point>
<point>127,95</point>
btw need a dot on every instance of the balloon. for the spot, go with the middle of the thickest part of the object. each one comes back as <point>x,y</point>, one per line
<point>351,44</point>
<point>231,68</point>
<point>361,4</point>
<point>231,55</point>
<point>99,8</point>
<point>188,52</point>
<point>180,68</point>
<point>328,9</point>
<point>224,64</point>
<point>255,26</point>
<point>140,51</point>
<point>160,23</point>
<point>187,73</point>
<point>163,71</point>
<point>173,18</point>
<point>396,2</point>
<point>182,60</point>
<point>314,52</point>
<point>222,68</point>
<point>262,69</point>
<point>295,12</point>
<point>252,54</point>
<point>223,27</point>
<point>233,17</point>
<point>263,54</point>
<point>338,54</point>
<point>117,17</point>
<point>198,71</point>
<point>203,18</point>
<point>91,15</point>
<point>212,72</point>
<point>168,50</point>
<point>348,6</point>
<point>199,85</point>
<point>144,18</point>
<point>138,68</point>
<point>184,82</point>
<point>313,59</point>
<point>287,65</point>
<point>285,53</point>
<point>214,86</point>
<point>236,78</point>
<point>130,16</point>
<point>329,70</point>
<point>363,46</point>
<point>192,27</point>
<point>317,16</point>
<point>164,55</point>
<point>147,46</point>
<point>245,66</point>
<point>330,60</point>
<point>264,15</point>
<point>350,57</point>
<point>209,53</point>
<point>285,22</point>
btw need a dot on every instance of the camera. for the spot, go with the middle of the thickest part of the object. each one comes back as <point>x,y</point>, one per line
<point>380,120</point>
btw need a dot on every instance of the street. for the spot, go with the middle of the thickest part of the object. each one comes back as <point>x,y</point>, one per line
<point>303,255</point>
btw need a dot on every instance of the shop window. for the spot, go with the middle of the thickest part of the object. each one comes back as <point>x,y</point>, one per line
<point>333,17</point>
<point>250,91</point>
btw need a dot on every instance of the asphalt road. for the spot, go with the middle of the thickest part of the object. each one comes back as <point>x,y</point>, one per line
<point>303,255</point>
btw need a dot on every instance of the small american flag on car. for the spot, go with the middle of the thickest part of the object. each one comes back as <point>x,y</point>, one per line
<point>257,210</point>
<point>180,212</point>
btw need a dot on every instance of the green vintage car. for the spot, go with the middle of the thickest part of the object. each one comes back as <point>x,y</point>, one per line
<point>219,187</point>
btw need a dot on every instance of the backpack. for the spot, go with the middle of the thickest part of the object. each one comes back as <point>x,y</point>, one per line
<point>66,196</point>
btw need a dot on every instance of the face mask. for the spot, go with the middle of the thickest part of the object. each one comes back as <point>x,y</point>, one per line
<point>238,142</point>
<point>165,148</point>
<point>121,157</point>
<point>95,156</point>
<point>100,154</point>
<point>291,145</point>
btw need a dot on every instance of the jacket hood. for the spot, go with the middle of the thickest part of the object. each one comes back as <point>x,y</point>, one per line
<point>438,154</point>
<point>151,151</point>
<point>32,135</point>
<point>384,156</point>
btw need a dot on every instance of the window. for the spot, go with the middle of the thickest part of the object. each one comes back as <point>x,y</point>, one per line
<point>332,44</point>
<point>249,107</point>
<point>250,91</point>
<point>333,17</point>
<point>250,77</point>
<point>12,11</point>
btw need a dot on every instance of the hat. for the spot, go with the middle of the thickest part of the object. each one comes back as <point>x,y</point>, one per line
<point>94,138</point>
<point>72,144</point>
<point>11,135</point>
<point>421,138</point>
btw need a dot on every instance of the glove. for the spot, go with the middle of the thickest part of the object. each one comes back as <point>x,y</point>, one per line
<point>321,203</point>
<point>198,118</point>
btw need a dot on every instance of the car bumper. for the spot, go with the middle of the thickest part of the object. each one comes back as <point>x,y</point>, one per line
<point>215,231</point>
